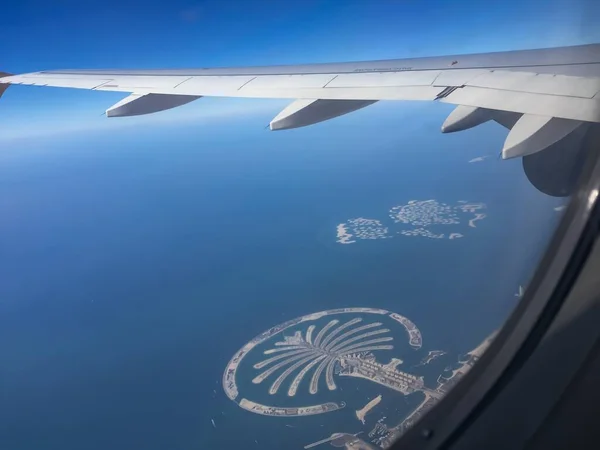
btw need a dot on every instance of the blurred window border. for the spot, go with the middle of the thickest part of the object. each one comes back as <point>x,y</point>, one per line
<point>525,332</point>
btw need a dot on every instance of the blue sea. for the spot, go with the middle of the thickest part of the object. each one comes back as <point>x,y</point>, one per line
<point>135,263</point>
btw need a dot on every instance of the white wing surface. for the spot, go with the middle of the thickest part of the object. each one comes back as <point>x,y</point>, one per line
<point>541,96</point>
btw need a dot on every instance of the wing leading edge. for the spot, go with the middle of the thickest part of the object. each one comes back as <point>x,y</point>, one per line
<point>540,96</point>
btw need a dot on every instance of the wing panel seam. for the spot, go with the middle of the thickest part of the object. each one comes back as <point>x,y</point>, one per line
<point>249,81</point>
<point>530,92</point>
<point>102,84</point>
<point>325,85</point>
<point>180,83</point>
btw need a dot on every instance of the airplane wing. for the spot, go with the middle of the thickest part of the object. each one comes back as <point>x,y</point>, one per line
<point>541,96</point>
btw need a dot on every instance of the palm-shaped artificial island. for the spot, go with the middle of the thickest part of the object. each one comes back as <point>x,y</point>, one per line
<point>346,345</point>
<point>308,352</point>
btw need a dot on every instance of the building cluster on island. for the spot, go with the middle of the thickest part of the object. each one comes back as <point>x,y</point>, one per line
<point>289,411</point>
<point>421,216</point>
<point>379,432</point>
<point>368,368</point>
<point>414,335</point>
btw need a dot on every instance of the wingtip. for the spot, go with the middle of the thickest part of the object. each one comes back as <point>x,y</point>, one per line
<point>4,86</point>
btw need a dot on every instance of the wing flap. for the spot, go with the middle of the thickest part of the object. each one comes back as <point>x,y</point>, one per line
<point>537,83</point>
<point>457,77</point>
<point>147,83</point>
<point>576,108</point>
<point>328,92</point>
<point>385,79</point>
<point>290,81</point>
<point>213,85</point>
<point>69,82</point>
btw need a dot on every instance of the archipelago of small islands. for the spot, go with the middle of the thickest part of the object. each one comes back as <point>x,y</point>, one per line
<point>417,218</point>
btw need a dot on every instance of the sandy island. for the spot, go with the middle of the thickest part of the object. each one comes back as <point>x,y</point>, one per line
<point>477,217</point>
<point>361,413</point>
<point>344,237</point>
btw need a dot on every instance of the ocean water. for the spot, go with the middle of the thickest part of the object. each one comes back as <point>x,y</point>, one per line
<point>136,263</point>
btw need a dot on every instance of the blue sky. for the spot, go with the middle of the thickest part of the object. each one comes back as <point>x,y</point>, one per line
<point>38,35</point>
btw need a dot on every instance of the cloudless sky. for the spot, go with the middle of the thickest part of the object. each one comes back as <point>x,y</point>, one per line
<point>40,34</point>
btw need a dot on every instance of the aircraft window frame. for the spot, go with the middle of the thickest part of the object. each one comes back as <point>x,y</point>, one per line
<point>554,277</point>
